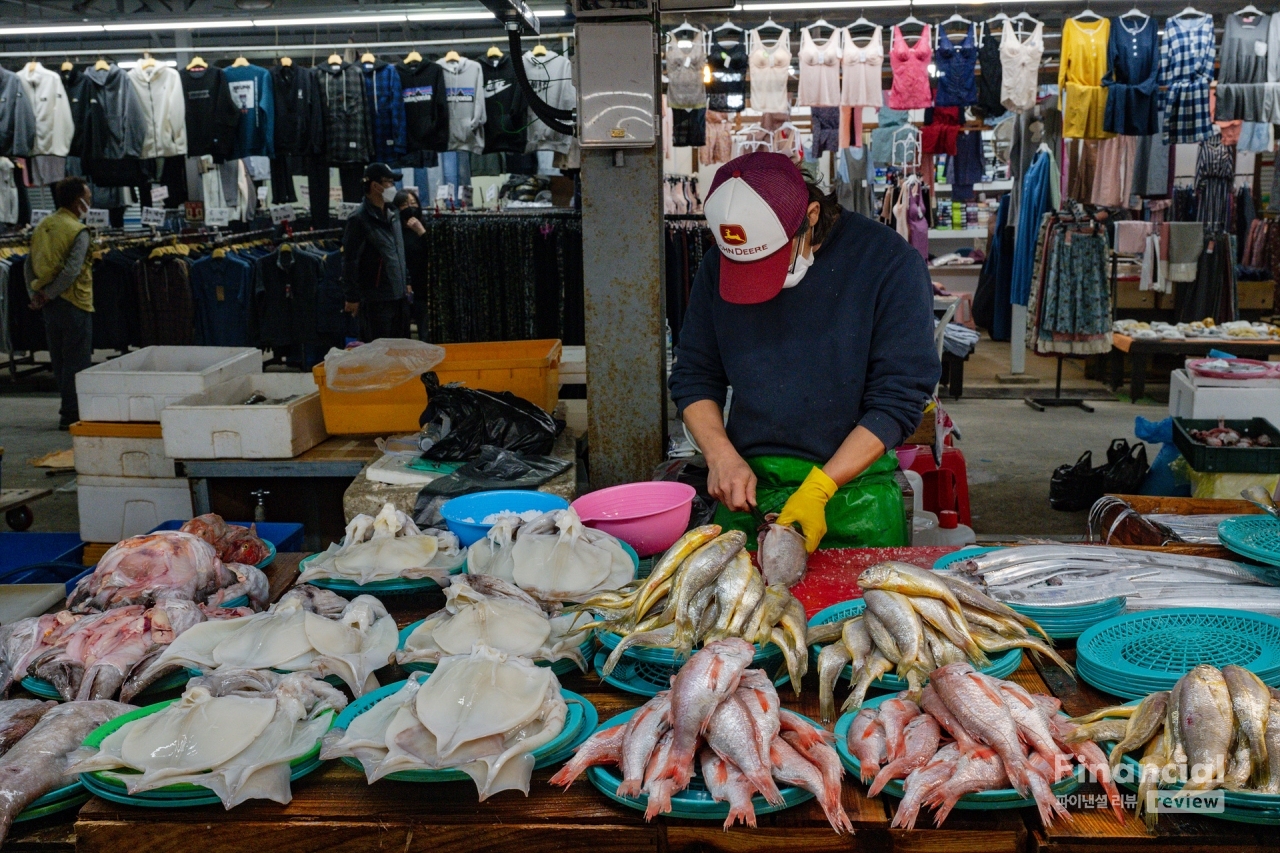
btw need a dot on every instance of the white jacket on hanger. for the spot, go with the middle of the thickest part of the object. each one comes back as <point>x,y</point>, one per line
<point>54,125</point>
<point>551,78</point>
<point>164,109</point>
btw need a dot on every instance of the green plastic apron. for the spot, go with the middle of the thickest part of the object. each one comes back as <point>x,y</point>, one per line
<point>866,512</point>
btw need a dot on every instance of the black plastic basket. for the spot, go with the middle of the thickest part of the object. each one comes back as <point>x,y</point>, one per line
<point>1229,460</point>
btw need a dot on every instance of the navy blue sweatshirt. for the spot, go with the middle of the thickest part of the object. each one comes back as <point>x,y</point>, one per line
<point>851,344</point>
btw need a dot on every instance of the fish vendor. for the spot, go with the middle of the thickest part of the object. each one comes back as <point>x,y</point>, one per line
<point>821,321</point>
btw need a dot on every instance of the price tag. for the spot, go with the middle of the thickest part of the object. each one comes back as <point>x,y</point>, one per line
<point>37,215</point>
<point>444,192</point>
<point>347,209</point>
<point>98,216</point>
<point>262,195</point>
<point>195,211</point>
<point>491,192</point>
<point>282,213</point>
<point>153,216</point>
<point>217,216</point>
<point>159,194</point>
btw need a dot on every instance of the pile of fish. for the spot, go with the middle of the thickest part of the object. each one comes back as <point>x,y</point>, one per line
<point>914,622</point>
<point>234,544</point>
<point>387,547</point>
<point>1224,436</point>
<point>36,739</point>
<point>554,557</point>
<point>308,630</point>
<point>483,713</point>
<point>705,588</point>
<point>969,733</point>
<point>1214,729</point>
<point>726,720</point>
<point>168,564</point>
<point>486,609</point>
<point>234,732</point>
<point>1071,575</point>
<point>97,655</point>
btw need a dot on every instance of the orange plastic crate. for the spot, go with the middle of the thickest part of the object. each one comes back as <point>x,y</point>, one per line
<point>528,369</point>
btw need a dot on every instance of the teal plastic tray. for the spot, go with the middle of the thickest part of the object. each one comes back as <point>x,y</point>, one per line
<point>1002,665</point>
<point>1004,798</point>
<point>963,554</point>
<point>647,672</point>
<point>61,799</point>
<point>694,802</point>
<point>560,667</point>
<point>1140,653</point>
<point>45,689</point>
<point>394,586</point>
<point>105,783</point>
<point>1253,536</point>
<point>579,723</point>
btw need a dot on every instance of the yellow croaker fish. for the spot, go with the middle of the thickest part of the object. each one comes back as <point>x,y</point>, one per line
<point>909,580</point>
<point>972,597</point>
<point>1251,704</point>
<point>956,631</point>
<point>1141,725</point>
<point>994,643</point>
<point>666,567</point>
<point>730,588</point>
<point>702,567</point>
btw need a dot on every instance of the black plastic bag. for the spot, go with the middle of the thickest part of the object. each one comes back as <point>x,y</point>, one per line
<point>467,419</point>
<point>1075,487</point>
<point>494,468</point>
<point>1126,474</point>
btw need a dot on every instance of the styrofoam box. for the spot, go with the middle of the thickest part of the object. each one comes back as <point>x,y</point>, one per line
<point>217,425</point>
<point>114,508</point>
<point>137,386</point>
<point>1188,400</point>
<point>120,450</point>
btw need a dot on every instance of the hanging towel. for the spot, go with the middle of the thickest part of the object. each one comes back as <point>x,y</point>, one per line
<point>1131,236</point>
<point>1153,269</point>
<point>1186,242</point>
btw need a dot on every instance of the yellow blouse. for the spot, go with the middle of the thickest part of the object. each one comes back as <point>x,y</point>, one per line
<point>1081,68</point>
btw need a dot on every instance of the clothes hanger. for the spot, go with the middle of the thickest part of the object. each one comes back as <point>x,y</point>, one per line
<point>1087,14</point>
<point>197,62</point>
<point>939,31</point>
<point>285,62</point>
<point>1248,11</point>
<point>909,20</point>
<point>1189,12</point>
<point>102,65</point>
<point>414,56</point>
<point>334,59</point>
<point>452,56</point>
<point>539,49</point>
<point>367,59</point>
<point>770,24</point>
<point>492,53</point>
<point>147,61</point>
<point>818,24</point>
<point>67,66</point>
<point>240,62</point>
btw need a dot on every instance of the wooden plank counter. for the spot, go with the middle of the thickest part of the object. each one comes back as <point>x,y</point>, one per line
<point>334,808</point>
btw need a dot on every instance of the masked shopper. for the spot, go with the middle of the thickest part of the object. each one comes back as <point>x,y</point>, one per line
<point>373,260</point>
<point>821,322</point>
<point>59,274</point>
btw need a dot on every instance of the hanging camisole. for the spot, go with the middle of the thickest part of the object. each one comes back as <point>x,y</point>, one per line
<point>1020,67</point>
<point>770,70</point>
<point>957,83</point>
<point>728,89</point>
<point>910,65</point>
<point>685,89</point>
<point>863,71</point>
<point>819,70</point>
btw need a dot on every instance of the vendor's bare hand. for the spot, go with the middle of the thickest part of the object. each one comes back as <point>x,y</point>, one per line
<point>415,226</point>
<point>38,301</point>
<point>731,481</point>
<point>352,308</point>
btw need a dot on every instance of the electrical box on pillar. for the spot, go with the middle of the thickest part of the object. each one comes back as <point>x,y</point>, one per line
<point>616,101</point>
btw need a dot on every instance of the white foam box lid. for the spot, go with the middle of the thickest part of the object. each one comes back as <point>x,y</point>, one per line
<point>137,386</point>
<point>114,508</point>
<point>1235,402</point>
<point>216,424</point>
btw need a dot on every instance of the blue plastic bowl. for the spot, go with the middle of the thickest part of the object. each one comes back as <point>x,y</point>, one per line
<point>464,514</point>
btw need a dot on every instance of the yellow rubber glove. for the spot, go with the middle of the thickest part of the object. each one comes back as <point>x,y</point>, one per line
<point>808,507</point>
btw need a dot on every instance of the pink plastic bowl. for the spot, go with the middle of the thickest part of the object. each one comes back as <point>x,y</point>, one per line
<point>649,517</point>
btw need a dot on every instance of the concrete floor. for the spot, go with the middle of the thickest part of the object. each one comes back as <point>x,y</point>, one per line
<point>1010,449</point>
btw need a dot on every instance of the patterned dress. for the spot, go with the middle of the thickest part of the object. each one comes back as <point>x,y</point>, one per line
<point>1186,68</point>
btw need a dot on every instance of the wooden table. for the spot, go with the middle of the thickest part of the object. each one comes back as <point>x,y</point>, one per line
<point>334,809</point>
<point>1140,352</point>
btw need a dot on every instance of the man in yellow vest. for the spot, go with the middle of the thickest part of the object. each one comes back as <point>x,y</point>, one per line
<point>59,273</point>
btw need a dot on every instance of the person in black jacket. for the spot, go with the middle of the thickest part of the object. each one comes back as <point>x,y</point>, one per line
<point>373,265</point>
<point>415,254</point>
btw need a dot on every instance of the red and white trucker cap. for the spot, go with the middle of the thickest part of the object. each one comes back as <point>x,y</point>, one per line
<point>756,205</point>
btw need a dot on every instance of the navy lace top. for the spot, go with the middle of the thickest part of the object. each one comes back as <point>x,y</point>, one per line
<point>957,83</point>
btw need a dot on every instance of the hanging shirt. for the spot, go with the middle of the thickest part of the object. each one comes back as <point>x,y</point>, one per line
<point>254,95</point>
<point>685,60</point>
<point>384,99</point>
<point>957,83</point>
<point>770,70</point>
<point>164,110</point>
<point>1186,69</point>
<point>727,91</point>
<point>1242,71</point>
<point>819,70</point>
<point>48,97</point>
<point>863,71</point>
<point>1020,67</point>
<point>17,118</point>
<point>213,118</point>
<point>1083,65</point>
<point>504,107</point>
<point>464,90</point>
<point>551,77</point>
<point>992,75</point>
<point>910,65</point>
<point>425,108</point>
<point>347,138</point>
<point>1132,107</point>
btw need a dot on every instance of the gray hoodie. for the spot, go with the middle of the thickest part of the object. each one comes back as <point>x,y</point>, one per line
<point>18,119</point>
<point>551,78</point>
<point>464,90</point>
<point>115,126</point>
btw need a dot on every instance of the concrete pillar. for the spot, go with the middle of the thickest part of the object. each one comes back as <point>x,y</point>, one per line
<point>624,272</point>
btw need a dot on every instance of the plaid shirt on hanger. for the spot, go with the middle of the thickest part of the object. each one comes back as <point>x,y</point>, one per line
<point>1186,67</point>
<point>346,116</point>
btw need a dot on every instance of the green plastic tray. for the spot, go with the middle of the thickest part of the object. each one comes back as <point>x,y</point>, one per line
<point>116,794</point>
<point>32,812</point>
<point>1228,460</point>
<point>694,802</point>
<point>560,667</point>
<point>578,726</point>
<point>45,689</point>
<point>1004,798</point>
<point>1002,665</point>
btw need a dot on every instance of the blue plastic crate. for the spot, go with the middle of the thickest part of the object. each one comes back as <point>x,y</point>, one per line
<point>285,535</point>
<point>24,549</point>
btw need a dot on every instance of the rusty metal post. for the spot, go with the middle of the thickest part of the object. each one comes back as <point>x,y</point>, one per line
<point>624,272</point>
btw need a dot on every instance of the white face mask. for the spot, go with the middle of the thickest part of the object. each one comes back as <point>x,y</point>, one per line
<point>389,194</point>
<point>799,267</point>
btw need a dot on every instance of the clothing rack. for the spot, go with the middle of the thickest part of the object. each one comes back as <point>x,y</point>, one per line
<point>1057,400</point>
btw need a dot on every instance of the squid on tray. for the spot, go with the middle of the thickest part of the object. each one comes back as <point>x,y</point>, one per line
<point>233,732</point>
<point>483,713</point>
<point>307,630</point>
<point>168,564</point>
<point>387,547</point>
<point>555,557</point>
<point>97,655</point>
<point>486,609</point>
